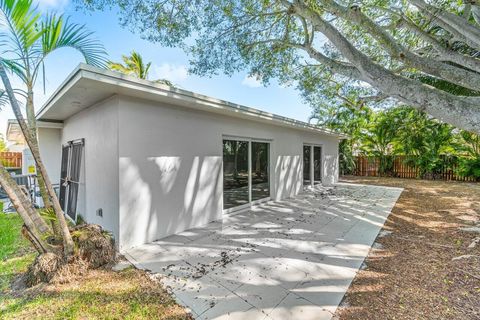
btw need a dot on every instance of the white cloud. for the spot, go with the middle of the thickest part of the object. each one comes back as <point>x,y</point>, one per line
<point>52,5</point>
<point>252,81</point>
<point>170,72</point>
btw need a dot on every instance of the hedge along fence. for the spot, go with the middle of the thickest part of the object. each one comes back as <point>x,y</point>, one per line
<point>11,159</point>
<point>369,167</point>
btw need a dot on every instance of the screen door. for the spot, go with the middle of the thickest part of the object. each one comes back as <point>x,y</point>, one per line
<point>70,176</point>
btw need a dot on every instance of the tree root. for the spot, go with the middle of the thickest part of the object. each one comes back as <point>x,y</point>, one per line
<point>94,248</point>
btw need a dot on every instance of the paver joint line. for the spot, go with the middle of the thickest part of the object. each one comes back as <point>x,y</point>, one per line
<point>289,259</point>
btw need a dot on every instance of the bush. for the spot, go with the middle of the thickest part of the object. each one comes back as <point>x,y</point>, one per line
<point>469,167</point>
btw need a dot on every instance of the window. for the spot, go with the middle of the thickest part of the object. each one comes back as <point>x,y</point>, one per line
<point>246,172</point>
<point>312,165</point>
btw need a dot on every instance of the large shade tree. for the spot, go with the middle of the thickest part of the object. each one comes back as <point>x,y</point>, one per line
<point>395,48</point>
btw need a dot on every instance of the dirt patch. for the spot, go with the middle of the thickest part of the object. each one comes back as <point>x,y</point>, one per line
<point>426,267</point>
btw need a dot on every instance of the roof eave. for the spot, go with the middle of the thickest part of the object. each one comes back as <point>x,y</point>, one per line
<point>93,73</point>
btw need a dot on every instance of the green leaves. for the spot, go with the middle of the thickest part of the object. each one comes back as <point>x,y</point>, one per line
<point>469,167</point>
<point>15,67</point>
<point>28,37</point>
<point>21,19</point>
<point>134,65</point>
<point>59,32</point>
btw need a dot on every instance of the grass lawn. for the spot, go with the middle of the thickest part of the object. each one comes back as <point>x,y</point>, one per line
<point>15,252</point>
<point>101,294</point>
<point>424,268</point>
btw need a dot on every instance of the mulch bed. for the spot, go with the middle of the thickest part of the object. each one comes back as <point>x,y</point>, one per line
<point>419,271</point>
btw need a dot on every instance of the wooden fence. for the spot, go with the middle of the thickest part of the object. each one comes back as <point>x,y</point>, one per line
<point>11,159</point>
<point>369,167</point>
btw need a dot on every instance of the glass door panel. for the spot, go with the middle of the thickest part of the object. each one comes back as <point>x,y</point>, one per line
<point>306,165</point>
<point>235,173</point>
<point>260,170</point>
<point>317,165</point>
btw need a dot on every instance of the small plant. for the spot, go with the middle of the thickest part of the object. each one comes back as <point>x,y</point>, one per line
<point>80,220</point>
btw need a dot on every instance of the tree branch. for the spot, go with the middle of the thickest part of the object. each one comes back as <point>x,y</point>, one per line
<point>445,54</point>
<point>452,23</point>
<point>459,111</point>
<point>448,72</point>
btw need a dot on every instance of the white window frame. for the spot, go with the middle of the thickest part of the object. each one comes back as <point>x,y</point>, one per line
<point>312,164</point>
<point>250,203</point>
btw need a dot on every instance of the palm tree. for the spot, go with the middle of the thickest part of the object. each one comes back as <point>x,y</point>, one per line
<point>379,139</point>
<point>134,65</point>
<point>53,33</point>
<point>26,40</point>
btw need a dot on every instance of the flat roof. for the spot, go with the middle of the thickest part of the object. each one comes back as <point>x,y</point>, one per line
<point>88,85</point>
<point>14,132</point>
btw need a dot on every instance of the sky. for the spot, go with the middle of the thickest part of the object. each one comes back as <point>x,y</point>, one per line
<point>167,63</point>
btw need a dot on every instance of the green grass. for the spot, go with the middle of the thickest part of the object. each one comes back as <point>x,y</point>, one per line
<point>100,294</point>
<point>15,252</point>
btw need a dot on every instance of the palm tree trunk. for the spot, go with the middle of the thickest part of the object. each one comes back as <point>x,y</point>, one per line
<point>32,124</point>
<point>62,223</point>
<point>40,224</point>
<point>23,206</point>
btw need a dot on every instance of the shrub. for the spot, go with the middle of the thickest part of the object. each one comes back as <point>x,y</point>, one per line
<point>469,167</point>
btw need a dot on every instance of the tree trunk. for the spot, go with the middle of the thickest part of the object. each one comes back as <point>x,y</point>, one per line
<point>62,223</point>
<point>37,229</point>
<point>32,124</point>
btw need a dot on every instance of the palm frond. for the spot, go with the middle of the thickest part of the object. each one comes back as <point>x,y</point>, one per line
<point>164,81</point>
<point>21,20</point>
<point>132,65</point>
<point>14,67</point>
<point>147,70</point>
<point>59,32</point>
<point>116,66</point>
<point>4,99</point>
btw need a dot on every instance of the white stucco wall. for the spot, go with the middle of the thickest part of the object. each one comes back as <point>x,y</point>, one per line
<point>98,125</point>
<point>170,166</point>
<point>14,147</point>
<point>156,170</point>
<point>50,145</point>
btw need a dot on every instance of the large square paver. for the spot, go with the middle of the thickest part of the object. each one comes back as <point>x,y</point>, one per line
<point>292,259</point>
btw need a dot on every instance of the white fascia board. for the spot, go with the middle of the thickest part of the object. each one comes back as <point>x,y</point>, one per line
<point>49,124</point>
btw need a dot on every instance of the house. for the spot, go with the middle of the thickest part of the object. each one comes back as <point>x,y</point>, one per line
<point>15,141</point>
<point>145,160</point>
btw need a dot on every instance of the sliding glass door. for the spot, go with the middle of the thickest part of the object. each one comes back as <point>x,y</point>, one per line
<point>246,172</point>
<point>235,173</point>
<point>260,174</point>
<point>312,165</point>
<point>317,164</point>
<point>307,168</point>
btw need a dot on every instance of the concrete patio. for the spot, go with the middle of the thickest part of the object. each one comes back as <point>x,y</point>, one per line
<point>293,259</point>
